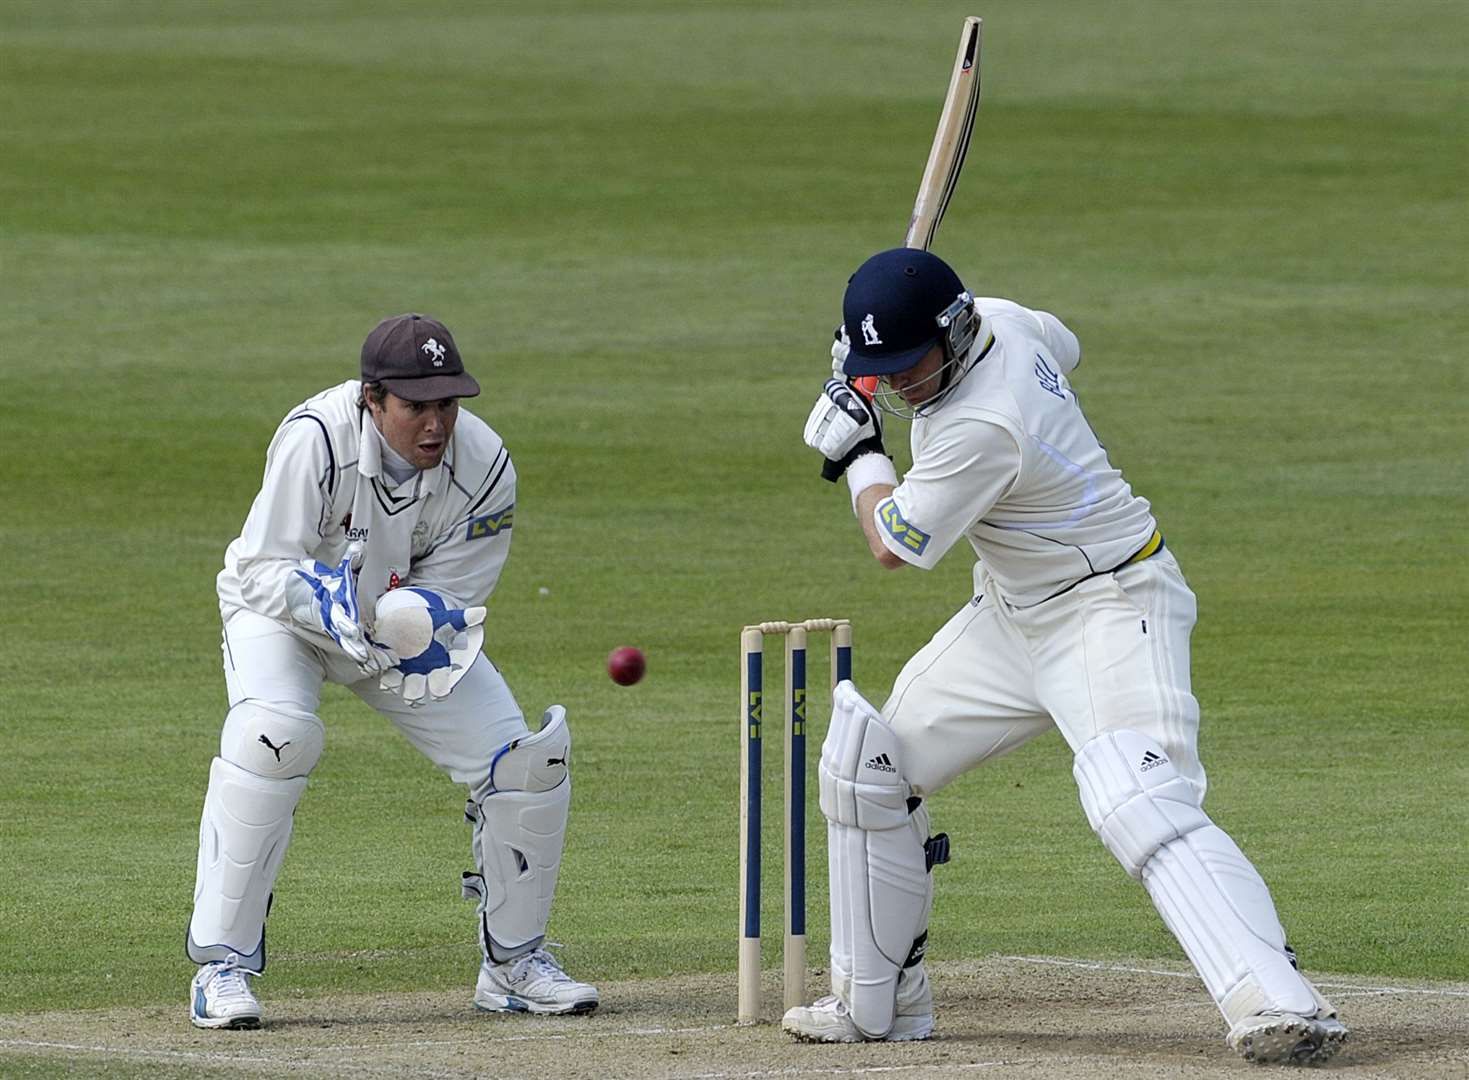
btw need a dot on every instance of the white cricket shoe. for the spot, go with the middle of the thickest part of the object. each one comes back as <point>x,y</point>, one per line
<point>1288,1039</point>
<point>220,997</point>
<point>826,1020</point>
<point>532,983</point>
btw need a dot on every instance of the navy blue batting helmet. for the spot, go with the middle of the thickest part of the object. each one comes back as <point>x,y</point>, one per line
<point>891,309</point>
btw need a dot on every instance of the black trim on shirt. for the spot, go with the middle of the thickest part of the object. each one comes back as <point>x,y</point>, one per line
<point>503,459</point>
<point>387,500</point>
<point>330,455</point>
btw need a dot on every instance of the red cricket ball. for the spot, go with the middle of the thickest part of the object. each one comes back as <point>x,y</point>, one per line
<point>626,665</point>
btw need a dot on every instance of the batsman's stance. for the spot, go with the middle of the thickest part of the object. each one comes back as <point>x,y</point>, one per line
<point>385,511</point>
<point>1080,618</point>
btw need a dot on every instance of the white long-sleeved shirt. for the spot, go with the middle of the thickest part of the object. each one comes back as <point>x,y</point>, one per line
<point>447,528</point>
<point>1009,462</point>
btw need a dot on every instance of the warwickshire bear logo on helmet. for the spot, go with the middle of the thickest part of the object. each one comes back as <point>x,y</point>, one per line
<point>906,301</point>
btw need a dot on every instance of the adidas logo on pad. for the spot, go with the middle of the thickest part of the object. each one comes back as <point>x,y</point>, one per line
<point>882,763</point>
<point>1151,761</point>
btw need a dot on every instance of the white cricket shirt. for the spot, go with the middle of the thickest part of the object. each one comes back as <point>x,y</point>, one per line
<point>446,528</point>
<point>1009,462</point>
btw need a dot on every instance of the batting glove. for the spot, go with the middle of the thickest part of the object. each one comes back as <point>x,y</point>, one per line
<point>324,598</point>
<point>839,349</point>
<point>866,385</point>
<point>843,425</point>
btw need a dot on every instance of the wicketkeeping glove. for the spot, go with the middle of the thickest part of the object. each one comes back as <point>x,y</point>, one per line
<point>437,643</point>
<point>324,598</point>
<point>843,425</point>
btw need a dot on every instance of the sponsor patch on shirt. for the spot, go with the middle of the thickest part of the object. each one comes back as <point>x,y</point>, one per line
<point>1048,377</point>
<point>491,524</point>
<point>915,540</point>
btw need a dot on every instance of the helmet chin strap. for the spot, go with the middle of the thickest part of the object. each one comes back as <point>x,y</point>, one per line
<point>947,378</point>
<point>946,373</point>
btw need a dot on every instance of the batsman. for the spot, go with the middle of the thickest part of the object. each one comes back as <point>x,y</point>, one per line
<point>383,522</point>
<point>1079,619</point>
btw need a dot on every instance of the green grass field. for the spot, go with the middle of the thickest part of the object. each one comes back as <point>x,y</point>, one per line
<point>638,219</point>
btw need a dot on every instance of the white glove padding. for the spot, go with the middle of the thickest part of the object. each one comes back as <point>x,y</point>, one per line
<point>840,419</point>
<point>437,643</point>
<point>839,349</point>
<point>324,598</point>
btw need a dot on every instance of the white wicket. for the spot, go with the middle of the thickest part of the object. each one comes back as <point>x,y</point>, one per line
<point>752,645</point>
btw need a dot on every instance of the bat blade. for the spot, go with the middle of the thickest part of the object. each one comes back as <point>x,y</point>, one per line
<point>945,156</point>
<point>950,140</point>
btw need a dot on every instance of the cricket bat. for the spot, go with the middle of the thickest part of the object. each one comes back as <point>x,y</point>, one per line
<point>945,156</point>
<point>950,141</point>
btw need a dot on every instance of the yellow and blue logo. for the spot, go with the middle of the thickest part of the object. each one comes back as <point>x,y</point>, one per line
<point>914,539</point>
<point>491,524</point>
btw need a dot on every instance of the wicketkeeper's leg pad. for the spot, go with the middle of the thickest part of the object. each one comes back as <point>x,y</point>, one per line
<point>243,834</point>
<point>519,820</point>
<point>878,874</point>
<point>1207,891</point>
<point>271,740</point>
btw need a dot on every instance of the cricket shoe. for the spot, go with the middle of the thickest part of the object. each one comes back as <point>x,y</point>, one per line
<point>826,1020</point>
<point>220,996</point>
<point>1288,1039</point>
<point>532,983</point>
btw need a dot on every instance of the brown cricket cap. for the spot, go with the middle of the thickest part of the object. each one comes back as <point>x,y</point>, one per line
<point>414,357</point>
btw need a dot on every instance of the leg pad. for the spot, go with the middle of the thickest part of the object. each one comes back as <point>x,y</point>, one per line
<point>243,834</point>
<point>878,869</point>
<point>1208,893</point>
<point>519,829</point>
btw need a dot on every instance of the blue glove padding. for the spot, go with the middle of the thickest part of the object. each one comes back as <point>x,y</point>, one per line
<point>324,598</point>
<point>437,643</point>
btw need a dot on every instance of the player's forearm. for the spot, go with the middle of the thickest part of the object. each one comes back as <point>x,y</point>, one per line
<point>871,478</point>
<point>866,509</point>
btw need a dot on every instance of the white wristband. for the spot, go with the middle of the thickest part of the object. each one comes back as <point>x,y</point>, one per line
<point>867,470</point>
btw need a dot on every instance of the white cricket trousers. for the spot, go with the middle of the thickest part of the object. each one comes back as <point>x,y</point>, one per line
<point>264,662</point>
<point>1111,653</point>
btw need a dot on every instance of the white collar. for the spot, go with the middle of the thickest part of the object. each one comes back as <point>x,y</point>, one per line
<point>375,456</point>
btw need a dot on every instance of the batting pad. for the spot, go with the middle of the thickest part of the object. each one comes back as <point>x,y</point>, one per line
<point>1219,908</point>
<point>1134,798</point>
<point>243,834</point>
<point>1208,893</point>
<point>519,830</point>
<point>880,888</point>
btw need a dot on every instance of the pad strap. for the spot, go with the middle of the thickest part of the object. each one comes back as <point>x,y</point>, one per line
<point>935,851</point>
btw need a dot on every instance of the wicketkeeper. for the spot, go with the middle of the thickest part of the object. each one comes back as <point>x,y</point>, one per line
<point>382,524</point>
<point>1079,619</point>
